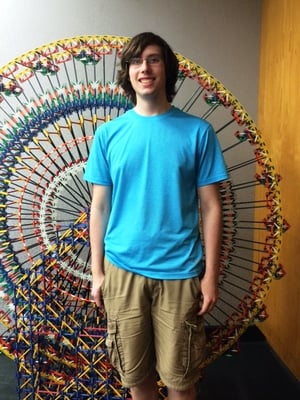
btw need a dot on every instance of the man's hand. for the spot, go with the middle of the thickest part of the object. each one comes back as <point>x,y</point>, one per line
<point>209,289</point>
<point>96,291</point>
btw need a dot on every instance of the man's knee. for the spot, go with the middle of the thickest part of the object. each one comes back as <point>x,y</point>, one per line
<point>146,390</point>
<point>188,394</point>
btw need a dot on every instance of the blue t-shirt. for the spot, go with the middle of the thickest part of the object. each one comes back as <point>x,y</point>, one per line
<point>154,165</point>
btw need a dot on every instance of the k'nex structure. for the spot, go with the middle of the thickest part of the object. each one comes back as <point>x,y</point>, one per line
<point>52,99</point>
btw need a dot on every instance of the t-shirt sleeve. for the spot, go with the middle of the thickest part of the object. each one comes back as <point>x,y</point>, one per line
<point>211,163</point>
<point>97,168</point>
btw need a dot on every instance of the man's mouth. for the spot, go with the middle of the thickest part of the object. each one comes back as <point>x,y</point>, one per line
<point>146,80</point>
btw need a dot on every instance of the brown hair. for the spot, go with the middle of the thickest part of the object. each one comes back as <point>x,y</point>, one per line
<point>134,48</point>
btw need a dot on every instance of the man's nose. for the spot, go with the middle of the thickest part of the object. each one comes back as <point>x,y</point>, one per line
<point>145,64</point>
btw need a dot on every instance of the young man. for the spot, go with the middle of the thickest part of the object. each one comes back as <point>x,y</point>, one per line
<point>149,167</point>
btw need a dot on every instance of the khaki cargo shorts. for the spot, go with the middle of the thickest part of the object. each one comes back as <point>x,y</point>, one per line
<point>152,326</point>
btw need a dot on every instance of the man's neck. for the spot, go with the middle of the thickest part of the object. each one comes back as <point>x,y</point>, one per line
<point>151,108</point>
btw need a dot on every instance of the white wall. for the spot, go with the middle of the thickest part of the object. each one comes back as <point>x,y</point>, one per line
<point>223,36</point>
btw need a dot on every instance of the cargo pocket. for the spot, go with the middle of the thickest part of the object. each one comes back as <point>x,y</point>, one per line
<point>113,344</point>
<point>195,345</point>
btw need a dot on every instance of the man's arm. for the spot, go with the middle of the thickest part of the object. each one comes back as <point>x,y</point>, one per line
<point>99,215</point>
<point>211,219</point>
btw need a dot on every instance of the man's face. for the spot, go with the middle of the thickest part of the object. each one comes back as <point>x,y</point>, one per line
<point>147,74</point>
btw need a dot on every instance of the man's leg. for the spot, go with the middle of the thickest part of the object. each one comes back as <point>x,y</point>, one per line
<point>189,394</point>
<point>147,390</point>
<point>180,340</point>
<point>129,338</point>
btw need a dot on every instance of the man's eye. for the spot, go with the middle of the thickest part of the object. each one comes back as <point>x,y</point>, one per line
<point>153,60</point>
<point>136,61</point>
<point>149,60</point>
